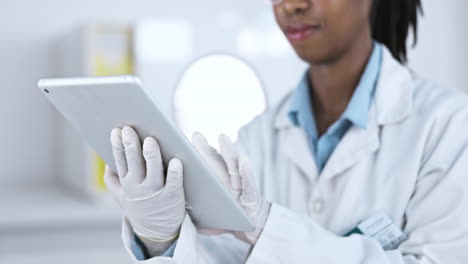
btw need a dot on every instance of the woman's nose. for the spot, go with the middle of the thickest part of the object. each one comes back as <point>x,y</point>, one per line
<point>292,7</point>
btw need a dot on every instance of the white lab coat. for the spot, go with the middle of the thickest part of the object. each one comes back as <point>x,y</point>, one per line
<point>411,162</point>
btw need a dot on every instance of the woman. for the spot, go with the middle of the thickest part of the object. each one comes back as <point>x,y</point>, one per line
<point>360,135</point>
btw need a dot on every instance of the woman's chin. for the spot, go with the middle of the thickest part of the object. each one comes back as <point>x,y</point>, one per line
<point>314,57</point>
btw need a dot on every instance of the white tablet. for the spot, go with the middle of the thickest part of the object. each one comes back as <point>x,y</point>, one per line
<point>96,105</point>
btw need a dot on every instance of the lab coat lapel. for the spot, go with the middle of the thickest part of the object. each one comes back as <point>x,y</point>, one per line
<point>296,147</point>
<point>355,145</point>
<point>293,143</point>
<point>393,103</point>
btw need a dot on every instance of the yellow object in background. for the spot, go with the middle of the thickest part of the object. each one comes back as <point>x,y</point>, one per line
<point>111,54</point>
<point>99,168</point>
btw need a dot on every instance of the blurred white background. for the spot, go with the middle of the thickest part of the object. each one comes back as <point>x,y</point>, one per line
<point>41,222</point>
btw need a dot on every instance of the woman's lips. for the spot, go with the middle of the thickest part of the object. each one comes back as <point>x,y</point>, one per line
<point>299,32</point>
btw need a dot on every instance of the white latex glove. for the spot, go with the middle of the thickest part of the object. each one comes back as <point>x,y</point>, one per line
<point>236,175</point>
<point>153,204</point>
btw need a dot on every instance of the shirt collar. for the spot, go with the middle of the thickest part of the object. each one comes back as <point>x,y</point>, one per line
<point>300,100</point>
<point>357,111</point>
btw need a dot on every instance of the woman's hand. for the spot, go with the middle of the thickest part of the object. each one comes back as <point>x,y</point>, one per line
<point>153,203</point>
<point>236,175</point>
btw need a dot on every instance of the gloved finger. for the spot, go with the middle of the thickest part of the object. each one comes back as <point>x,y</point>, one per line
<point>249,196</point>
<point>214,161</point>
<point>133,152</point>
<point>175,172</point>
<point>118,151</point>
<point>113,184</point>
<point>154,165</point>
<point>231,157</point>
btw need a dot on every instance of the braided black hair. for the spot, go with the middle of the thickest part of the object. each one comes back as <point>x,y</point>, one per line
<point>391,21</point>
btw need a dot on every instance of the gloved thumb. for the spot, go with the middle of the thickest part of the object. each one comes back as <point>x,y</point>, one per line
<point>231,158</point>
<point>213,159</point>
<point>113,184</point>
<point>111,179</point>
<point>249,193</point>
<point>174,178</point>
<point>201,145</point>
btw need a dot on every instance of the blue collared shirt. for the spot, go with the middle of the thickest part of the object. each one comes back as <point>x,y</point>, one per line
<point>356,113</point>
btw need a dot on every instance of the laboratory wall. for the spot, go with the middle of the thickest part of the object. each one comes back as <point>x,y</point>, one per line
<point>441,52</point>
<point>30,30</point>
<point>30,35</point>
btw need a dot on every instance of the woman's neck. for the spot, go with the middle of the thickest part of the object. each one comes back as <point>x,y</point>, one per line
<point>333,83</point>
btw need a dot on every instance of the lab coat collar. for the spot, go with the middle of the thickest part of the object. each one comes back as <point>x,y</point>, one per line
<point>392,103</point>
<point>393,96</point>
<point>394,93</point>
<point>357,143</point>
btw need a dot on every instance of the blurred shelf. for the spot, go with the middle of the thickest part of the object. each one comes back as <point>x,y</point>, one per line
<point>117,256</point>
<point>45,206</point>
